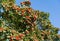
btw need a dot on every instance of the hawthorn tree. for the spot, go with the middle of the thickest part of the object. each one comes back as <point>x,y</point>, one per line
<point>23,23</point>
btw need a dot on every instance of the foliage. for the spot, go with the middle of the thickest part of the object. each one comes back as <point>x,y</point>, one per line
<point>23,23</point>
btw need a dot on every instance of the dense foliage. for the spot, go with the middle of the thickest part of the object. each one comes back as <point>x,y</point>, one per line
<point>23,23</point>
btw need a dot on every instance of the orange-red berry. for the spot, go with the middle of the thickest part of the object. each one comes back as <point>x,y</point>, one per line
<point>17,37</point>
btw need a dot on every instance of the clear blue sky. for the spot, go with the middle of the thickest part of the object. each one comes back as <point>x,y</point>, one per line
<point>51,6</point>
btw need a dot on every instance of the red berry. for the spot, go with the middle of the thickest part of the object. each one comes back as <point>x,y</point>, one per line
<point>17,37</point>
<point>12,37</point>
<point>28,17</point>
<point>35,17</point>
<point>18,8</point>
<point>22,14</point>
<point>21,35</point>
<point>1,29</point>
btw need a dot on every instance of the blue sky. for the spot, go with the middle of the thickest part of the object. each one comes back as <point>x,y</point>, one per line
<point>51,6</point>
